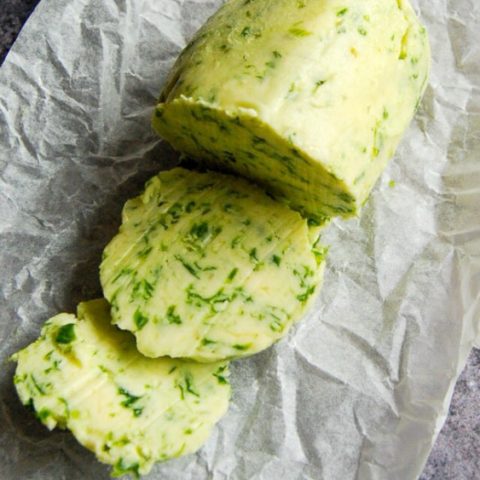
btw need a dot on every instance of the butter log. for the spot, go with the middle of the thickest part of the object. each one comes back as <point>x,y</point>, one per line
<point>308,98</point>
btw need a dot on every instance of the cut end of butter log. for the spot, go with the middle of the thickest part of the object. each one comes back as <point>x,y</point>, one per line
<point>207,267</point>
<point>85,375</point>
<point>309,98</point>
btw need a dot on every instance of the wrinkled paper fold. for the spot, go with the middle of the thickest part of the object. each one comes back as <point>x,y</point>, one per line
<point>360,389</point>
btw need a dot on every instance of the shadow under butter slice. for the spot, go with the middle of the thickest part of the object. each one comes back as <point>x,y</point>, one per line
<point>207,266</point>
<point>85,375</point>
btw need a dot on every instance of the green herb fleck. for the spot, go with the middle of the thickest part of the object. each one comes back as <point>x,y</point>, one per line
<point>217,302</point>
<point>43,414</point>
<point>235,242</point>
<point>232,274</point>
<point>362,31</point>
<point>318,84</point>
<point>242,347</point>
<point>66,334</point>
<point>121,468</point>
<point>37,386</point>
<point>199,231</point>
<point>187,386</point>
<point>345,197</point>
<point>172,317</point>
<point>142,289</point>
<point>246,32</point>
<point>342,12</point>
<point>139,319</point>
<point>190,206</point>
<point>220,375</point>
<point>123,272</point>
<point>253,255</point>
<point>303,297</point>
<point>276,260</point>
<point>298,31</point>
<point>130,401</point>
<point>187,266</point>
<point>144,252</point>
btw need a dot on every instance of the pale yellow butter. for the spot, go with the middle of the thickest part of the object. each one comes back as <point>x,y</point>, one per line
<point>307,97</point>
<point>206,266</point>
<point>85,375</point>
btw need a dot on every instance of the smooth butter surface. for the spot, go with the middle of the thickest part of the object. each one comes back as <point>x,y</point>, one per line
<point>207,266</point>
<point>307,97</point>
<point>86,375</point>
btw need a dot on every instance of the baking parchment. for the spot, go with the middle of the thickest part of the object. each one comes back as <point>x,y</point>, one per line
<point>361,387</point>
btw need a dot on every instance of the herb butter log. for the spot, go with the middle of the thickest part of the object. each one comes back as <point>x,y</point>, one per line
<point>206,266</point>
<point>86,375</point>
<point>308,97</point>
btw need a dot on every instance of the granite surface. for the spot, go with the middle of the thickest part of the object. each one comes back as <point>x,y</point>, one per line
<point>456,455</point>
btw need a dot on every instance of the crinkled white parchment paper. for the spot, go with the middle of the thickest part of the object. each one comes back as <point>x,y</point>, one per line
<point>360,389</point>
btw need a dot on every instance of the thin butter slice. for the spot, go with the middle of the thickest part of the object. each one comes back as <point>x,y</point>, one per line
<point>87,376</point>
<point>308,97</point>
<point>207,267</point>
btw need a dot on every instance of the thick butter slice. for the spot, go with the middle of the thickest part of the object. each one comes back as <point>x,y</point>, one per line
<point>87,376</point>
<point>309,98</point>
<point>206,266</point>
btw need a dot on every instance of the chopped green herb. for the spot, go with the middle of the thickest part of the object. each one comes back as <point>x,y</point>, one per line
<point>144,252</point>
<point>189,385</point>
<point>242,347</point>
<point>235,242</point>
<point>303,297</point>
<point>298,32</point>
<point>318,84</point>
<point>199,231</point>
<point>217,302</point>
<point>172,317</point>
<point>66,333</point>
<point>247,31</point>
<point>190,206</point>
<point>276,260</point>
<point>37,386</point>
<point>220,375</point>
<point>130,401</point>
<point>342,12</point>
<point>121,468</point>
<point>43,414</point>
<point>187,266</point>
<point>139,319</point>
<point>142,290</point>
<point>232,274</point>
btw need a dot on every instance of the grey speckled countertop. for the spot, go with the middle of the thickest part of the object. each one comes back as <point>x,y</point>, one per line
<point>456,455</point>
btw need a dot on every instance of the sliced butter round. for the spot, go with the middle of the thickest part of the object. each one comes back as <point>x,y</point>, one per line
<point>207,267</point>
<point>87,376</point>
